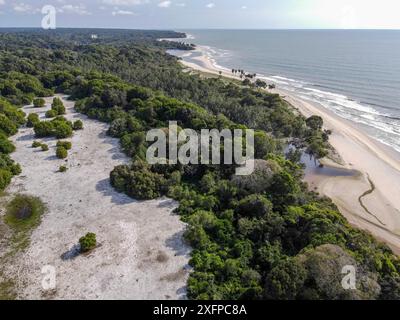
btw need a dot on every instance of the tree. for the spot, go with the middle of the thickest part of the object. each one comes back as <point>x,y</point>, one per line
<point>254,206</point>
<point>261,84</point>
<point>285,281</point>
<point>315,122</point>
<point>324,277</point>
<point>246,82</point>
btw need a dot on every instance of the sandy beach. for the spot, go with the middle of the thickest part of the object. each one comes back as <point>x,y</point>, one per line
<point>141,253</point>
<point>370,199</point>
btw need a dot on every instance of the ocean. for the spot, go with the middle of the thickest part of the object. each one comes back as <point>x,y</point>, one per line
<point>354,73</point>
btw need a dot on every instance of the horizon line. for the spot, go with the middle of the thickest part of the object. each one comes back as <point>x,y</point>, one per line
<point>221,29</point>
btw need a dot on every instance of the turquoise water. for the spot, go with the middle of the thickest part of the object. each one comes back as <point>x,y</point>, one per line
<point>355,73</point>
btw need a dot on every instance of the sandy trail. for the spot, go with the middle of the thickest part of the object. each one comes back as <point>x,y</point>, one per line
<point>375,162</point>
<point>141,253</point>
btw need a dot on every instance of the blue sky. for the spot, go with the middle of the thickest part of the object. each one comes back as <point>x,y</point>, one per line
<point>186,14</point>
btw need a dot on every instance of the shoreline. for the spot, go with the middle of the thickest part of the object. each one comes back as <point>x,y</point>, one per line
<point>376,211</point>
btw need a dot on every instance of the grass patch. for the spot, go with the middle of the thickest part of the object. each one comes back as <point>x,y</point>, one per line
<point>7,290</point>
<point>23,214</point>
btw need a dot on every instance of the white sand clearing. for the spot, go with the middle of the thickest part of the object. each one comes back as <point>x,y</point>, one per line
<point>379,211</point>
<point>141,253</point>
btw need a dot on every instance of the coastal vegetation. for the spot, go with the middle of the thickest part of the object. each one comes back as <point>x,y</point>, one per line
<point>23,214</point>
<point>39,103</point>
<point>11,118</point>
<point>88,242</point>
<point>263,236</point>
<point>65,144</point>
<point>61,153</point>
<point>59,128</point>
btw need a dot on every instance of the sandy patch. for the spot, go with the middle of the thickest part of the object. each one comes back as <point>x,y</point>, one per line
<point>132,235</point>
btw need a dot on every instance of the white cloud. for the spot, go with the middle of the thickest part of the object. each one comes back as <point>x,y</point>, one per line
<point>125,2</point>
<point>77,9</point>
<point>244,7</point>
<point>2,2</point>
<point>24,8</point>
<point>122,13</point>
<point>210,5</point>
<point>165,4</point>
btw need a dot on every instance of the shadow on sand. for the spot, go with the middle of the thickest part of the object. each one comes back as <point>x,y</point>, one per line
<point>71,253</point>
<point>107,190</point>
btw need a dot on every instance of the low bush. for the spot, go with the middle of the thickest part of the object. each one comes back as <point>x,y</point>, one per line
<point>65,144</point>
<point>57,106</point>
<point>63,169</point>
<point>61,153</point>
<point>62,130</point>
<point>78,125</point>
<point>7,126</point>
<point>5,178</point>
<point>51,114</point>
<point>88,242</point>
<point>33,119</point>
<point>6,146</point>
<point>43,129</point>
<point>44,147</point>
<point>59,127</point>
<point>39,102</point>
<point>36,144</point>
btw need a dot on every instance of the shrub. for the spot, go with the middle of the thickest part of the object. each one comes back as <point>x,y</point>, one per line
<point>5,178</point>
<point>39,102</point>
<point>63,169</point>
<point>57,106</point>
<point>88,242</point>
<point>6,146</point>
<point>51,114</point>
<point>44,147</point>
<point>7,125</point>
<point>33,119</point>
<point>62,130</point>
<point>65,144</point>
<point>43,129</point>
<point>61,153</point>
<point>78,125</point>
<point>138,181</point>
<point>36,144</point>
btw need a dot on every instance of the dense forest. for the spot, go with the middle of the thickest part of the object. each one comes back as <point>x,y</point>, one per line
<point>263,236</point>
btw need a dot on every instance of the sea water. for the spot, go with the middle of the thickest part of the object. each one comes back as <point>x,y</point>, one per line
<point>355,73</point>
